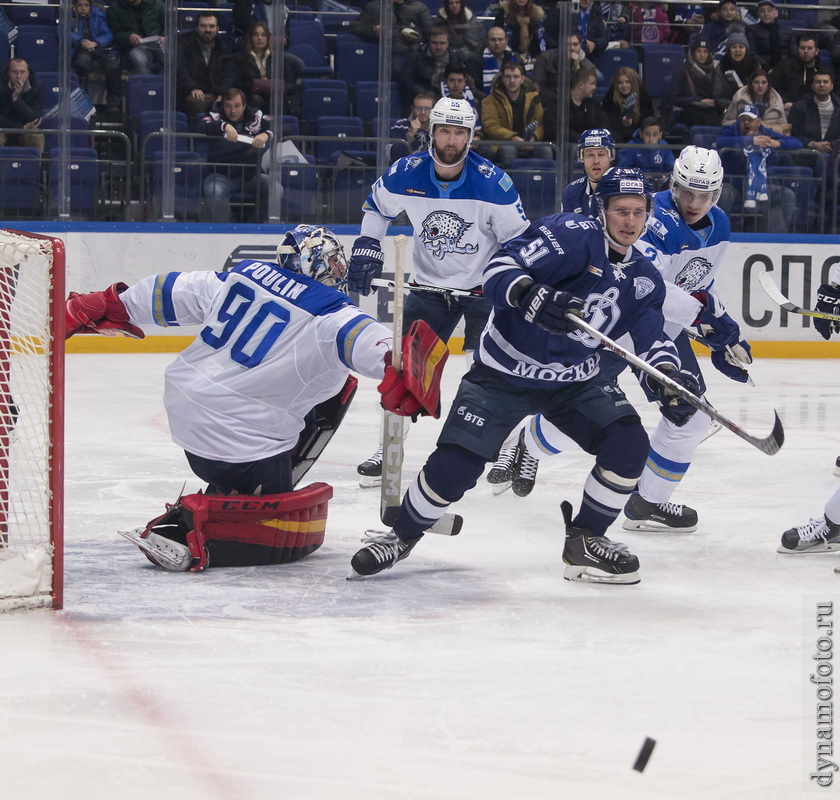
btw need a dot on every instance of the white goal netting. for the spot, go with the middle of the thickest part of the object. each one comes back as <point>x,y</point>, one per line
<point>31,395</point>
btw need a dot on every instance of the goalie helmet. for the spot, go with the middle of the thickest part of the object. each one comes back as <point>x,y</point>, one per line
<point>596,137</point>
<point>700,170</point>
<point>316,252</point>
<point>449,111</point>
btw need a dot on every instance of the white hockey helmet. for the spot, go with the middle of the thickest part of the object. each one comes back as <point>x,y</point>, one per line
<point>316,252</point>
<point>700,170</point>
<point>449,111</point>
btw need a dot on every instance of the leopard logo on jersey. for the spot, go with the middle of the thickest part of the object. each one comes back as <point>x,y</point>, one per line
<point>442,232</point>
<point>692,274</point>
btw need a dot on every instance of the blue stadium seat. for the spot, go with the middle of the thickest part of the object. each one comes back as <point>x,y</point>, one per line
<point>351,187</point>
<point>659,67</point>
<point>50,82</point>
<point>144,93</point>
<point>801,181</point>
<point>38,44</point>
<point>83,173</point>
<point>339,128</point>
<point>20,180</point>
<point>318,102</point>
<point>300,195</point>
<point>313,65</point>
<point>356,60</point>
<point>28,14</point>
<point>536,181</point>
<point>704,135</point>
<point>366,100</point>
<point>82,139</point>
<point>308,31</point>
<point>150,122</point>
<point>188,17</point>
<point>188,172</point>
<point>609,62</point>
<point>336,22</point>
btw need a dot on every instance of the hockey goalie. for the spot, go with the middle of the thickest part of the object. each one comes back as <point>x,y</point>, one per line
<point>257,395</point>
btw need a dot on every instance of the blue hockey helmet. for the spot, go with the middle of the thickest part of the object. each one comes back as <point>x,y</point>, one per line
<point>316,252</point>
<point>620,180</point>
<point>596,137</point>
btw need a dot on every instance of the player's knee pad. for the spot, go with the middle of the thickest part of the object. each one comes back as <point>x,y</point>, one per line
<point>452,471</point>
<point>246,530</point>
<point>624,448</point>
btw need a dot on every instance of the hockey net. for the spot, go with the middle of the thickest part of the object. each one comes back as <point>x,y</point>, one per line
<point>31,420</point>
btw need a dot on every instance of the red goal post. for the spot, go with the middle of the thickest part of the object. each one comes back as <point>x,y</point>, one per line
<point>31,420</point>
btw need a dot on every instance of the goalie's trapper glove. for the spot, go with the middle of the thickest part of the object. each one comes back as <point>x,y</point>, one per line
<point>730,362</point>
<point>671,405</point>
<point>547,307</point>
<point>366,262</point>
<point>396,396</point>
<point>828,301</point>
<point>99,312</point>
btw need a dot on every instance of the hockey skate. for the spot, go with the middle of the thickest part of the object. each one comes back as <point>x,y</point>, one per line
<point>642,515</point>
<point>384,549</point>
<point>596,559</point>
<point>816,536</point>
<point>524,469</point>
<point>371,470</point>
<point>159,550</point>
<point>500,475</point>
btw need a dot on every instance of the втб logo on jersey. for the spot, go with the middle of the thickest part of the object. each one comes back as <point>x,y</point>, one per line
<point>442,230</point>
<point>692,274</point>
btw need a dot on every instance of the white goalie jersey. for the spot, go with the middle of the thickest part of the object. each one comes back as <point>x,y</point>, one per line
<point>458,225</point>
<point>274,344</point>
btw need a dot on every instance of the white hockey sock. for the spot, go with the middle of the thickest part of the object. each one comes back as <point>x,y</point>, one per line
<point>543,439</point>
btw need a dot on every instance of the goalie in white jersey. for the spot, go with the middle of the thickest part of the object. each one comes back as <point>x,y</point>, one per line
<point>278,342</point>
<point>462,209</point>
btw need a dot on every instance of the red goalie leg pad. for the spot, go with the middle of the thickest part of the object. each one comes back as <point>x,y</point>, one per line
<point>424,355</point>
<point>251,530</point>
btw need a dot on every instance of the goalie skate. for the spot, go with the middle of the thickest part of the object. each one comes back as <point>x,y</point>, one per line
<point>813,538</point>
<point>370,471</point>
<point>596,559</point>
<point>162,551</point>
<point>642,515</point>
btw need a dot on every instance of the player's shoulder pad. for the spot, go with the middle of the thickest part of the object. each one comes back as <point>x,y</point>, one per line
<point>296,289</point>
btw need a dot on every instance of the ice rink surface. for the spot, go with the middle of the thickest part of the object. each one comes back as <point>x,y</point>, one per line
<point>471,670</point>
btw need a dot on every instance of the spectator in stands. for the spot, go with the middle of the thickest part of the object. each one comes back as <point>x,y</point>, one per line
<point>91,43</point>
<point>246,12</point>
<point>589,25</point>
<point>466,33</point>
<point>793,76</point>
<point>201,66</point>
<point>626,103</point>
<point>616,17</point>
<point>239,162</point>
<point>691,93</point>
<point>414,128</point>
<point>733,70</point>
<point>524,23</point>
<point>815,119</point>
<point>585,110</point>
<point>651,24</point>
<point>488,65</point>
<point>458,85</point>
<point>748,149</point>
<point>687,20</point>
<point>412,24</point>
<point>656,160</point>
<point>138,27</point>
<point>759,93</point>
<point>21,105</point>
<point>716,31</point>
<point>423,69</point>
<point>769,41</point>
<point>513,112</point>
<point>250,70</point>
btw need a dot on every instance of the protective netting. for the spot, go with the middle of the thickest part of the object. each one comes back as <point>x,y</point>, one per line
<point>27,404</point>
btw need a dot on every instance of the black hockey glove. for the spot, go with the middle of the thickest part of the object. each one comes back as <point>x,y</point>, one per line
<point>671,405</point>
<point>828,301</point>
<point>718,329</point>
<point>730,362</point>
<point>547,308</point>
<point>366,263</point>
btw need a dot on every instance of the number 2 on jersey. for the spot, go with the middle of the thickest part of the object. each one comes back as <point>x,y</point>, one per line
<point>232,314</point>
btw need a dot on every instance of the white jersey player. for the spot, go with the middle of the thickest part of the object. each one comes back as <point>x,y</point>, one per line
<point>277,340</point>
<point>462,209</point>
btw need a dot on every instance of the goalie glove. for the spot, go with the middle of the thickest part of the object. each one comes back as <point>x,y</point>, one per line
<point>366,262</point>
<point>671,405</point>
<point>732,360</point>
<point>395,394</point>
<point>716,326</point>
<point>828,301</point>
<point>99,312</point>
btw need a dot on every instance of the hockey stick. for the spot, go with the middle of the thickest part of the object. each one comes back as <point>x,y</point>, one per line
<point>733,359</point>
<point>424,287</point>
<point>775,294</point>
<point>769,444</point>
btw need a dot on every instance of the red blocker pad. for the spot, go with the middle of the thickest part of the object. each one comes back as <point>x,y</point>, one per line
<point>248,530</point>
<point>424,356</point>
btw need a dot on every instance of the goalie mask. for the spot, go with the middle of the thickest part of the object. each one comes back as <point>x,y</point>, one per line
<point>316,252</point>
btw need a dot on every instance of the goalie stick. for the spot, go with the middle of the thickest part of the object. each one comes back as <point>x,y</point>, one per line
<point>384,283</point>
<point>775,294</point>
<point>769,444</point>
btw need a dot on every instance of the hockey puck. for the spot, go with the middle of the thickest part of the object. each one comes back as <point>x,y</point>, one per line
<point>644,754</point>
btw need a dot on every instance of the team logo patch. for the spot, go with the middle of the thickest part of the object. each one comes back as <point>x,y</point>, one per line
<point>594,270</point>
<point>505,182</point>
<point>643,287</point>
<point>691,276</point>
<point>485,168</point>
<point>412,162</point>
<point>442,233</point>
